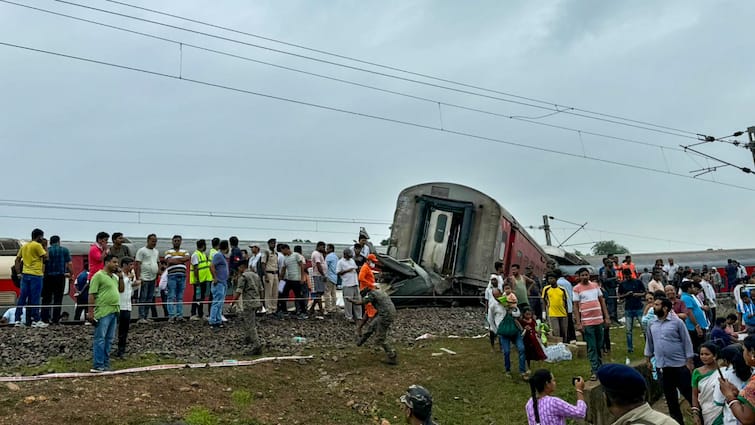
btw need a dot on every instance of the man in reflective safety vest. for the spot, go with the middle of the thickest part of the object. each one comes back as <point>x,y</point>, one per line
<point>200,279</point>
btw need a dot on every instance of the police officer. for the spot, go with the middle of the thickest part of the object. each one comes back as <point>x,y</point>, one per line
<point>249,288</point>
<point>381,324</point>
<point>418,404</point>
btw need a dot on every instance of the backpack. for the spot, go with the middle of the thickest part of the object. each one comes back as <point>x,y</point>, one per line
<point>507,328</point>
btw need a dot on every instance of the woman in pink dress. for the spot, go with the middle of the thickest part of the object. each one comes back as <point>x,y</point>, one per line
<point>544,409</point>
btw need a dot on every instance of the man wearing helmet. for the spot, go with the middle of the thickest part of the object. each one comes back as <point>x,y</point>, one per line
<point>418,406</point>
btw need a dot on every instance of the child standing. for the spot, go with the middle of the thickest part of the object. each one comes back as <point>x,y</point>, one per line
<point>124,319</point>
<point>532,348</point>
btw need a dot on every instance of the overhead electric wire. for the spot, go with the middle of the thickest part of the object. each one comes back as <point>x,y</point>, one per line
<point>392,68</point>
<point>148,223</point>
<point>633,235</point>
<point>383,74</point>
<point>530,120</point>
<point>189,213</point>
<point>365,115</point>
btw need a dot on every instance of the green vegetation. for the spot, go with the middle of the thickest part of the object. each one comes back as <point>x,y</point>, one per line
<point>608,247</point>
<point>201,416</point>
<point>241,399</point>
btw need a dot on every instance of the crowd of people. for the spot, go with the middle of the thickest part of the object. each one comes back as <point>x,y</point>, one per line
<point>693,352</point>
<point>266,283</point>
<point>675,306</point>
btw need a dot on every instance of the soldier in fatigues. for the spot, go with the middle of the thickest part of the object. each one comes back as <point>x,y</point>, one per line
<point>249,288</point>
<point>381,324</point>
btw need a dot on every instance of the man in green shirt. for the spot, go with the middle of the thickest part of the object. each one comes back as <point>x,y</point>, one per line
<point>104,307</point>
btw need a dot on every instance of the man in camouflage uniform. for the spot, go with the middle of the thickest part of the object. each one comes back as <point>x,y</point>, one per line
<point>249,288</point>
<point>381,323</point>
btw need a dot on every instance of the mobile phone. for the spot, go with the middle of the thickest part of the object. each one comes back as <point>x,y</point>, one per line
<point>574,380</point>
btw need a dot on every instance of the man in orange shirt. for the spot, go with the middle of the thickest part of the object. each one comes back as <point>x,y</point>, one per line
<point>367,281</point>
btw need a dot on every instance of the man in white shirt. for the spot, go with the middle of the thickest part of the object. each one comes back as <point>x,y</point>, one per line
<point>670,269</point>
<point>10,316</point>
<point>124,300</point>
<point>710,298</point>
<point>347,269</point>
<point>146,272</point>
<point>254,259</point>
<point>571,333</point>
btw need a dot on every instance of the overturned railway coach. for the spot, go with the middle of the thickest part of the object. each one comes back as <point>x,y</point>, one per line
<point>457,233</point>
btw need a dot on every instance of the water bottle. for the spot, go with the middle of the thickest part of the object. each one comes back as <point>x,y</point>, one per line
<point>298,340</point>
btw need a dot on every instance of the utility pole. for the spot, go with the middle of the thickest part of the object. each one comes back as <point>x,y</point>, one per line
<point>751,132</point>
<point>547,226</point>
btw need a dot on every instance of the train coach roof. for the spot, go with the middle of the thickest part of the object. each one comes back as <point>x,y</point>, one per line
<point>712,258</point>
<point>444,190</point>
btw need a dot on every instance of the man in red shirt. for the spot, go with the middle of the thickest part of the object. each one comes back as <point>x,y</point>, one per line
<point>97,253</point>
<point>677,305</point>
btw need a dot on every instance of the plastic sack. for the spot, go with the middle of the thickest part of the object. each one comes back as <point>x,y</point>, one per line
<point>557,353</point>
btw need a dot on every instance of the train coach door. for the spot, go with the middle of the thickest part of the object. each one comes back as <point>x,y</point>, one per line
<point>437,235</point>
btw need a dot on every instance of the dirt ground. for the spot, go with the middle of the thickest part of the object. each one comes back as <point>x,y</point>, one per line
<point>344,387</point>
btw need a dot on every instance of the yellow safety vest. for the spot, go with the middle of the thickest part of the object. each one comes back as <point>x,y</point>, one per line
<point>203,267</point>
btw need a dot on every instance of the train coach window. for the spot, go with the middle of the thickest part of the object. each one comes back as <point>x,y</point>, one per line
<point>440,228</point>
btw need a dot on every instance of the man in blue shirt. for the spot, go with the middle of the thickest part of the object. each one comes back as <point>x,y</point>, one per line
<point>220,274</point>
<point>696,320</point>
<point>331,260</point>
<point>747,310</point>
<point>57,269</point>
<point>731,273</point>
<point>668,341</point>
<point>632,292</point>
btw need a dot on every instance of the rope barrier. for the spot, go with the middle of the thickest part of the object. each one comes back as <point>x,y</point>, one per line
<point>225,363</point>
<point>282,299</point>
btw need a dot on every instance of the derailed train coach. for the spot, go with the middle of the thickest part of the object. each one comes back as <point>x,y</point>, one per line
<point>447,238</point>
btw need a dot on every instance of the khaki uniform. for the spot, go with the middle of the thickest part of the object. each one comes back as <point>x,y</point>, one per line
<point>644,415</point>
<point>249,286</point>
<point>381,323</point>
<point>271,281</point>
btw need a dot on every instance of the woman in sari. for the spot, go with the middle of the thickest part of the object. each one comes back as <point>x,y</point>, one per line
<point>704,386</point>
<point>742,403</point>
<point>736,371</point>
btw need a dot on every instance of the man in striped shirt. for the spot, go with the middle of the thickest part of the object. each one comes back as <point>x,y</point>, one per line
<point>591,315</point>
<point>177,260</point>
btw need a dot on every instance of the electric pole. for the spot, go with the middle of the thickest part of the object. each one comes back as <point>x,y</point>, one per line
<point>547,226</point>
<point>751,132</point>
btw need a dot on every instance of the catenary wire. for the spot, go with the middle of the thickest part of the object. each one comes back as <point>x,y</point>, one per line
<point>383,74</point>
<point>149,223</point>
<point>633,235</point>
<point>114,208</point>
<point>209,214</point>
<point>392,68</point>
<point>366,115</point>
<point>530,120</point>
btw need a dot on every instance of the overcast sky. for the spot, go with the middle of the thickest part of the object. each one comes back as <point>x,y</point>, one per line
<point>77,132</point>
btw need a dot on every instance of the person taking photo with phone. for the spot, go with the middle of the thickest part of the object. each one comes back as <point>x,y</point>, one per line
<point>545,409</point>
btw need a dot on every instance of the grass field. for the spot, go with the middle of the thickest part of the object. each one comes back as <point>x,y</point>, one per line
<point>348,386</point>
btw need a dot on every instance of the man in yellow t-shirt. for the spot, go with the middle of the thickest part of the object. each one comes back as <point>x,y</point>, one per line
<point>33,256</point>
<point>555,300</point>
